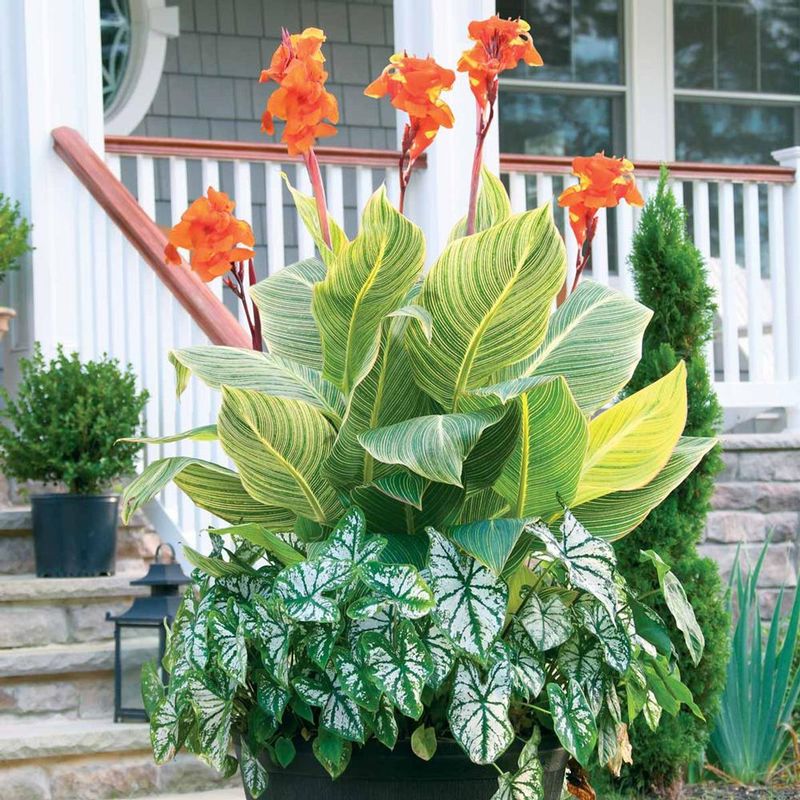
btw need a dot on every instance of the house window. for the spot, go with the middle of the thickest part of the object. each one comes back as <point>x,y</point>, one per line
<point>115,33</point>
<point>575,103</point>
<point>737,78</point>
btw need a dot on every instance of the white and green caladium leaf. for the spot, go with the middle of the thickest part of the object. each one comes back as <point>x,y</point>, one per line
<point>339,713</point>
<point>254,776</point>
<point>152,686</point>
<point>434,446</point>
<point>443,656</point>
<point>332,752</point>
<point>527,783</point>
<point>401,667</point>
<point>227,636</point>
<point>385,724</point>
<point>610,633</point>
<point>573,720</point>
<point>594,341</point>
<point>546,462</point>
<point>546,620</point>
<point>284,303</point>
<point>165,731</point>
<point>477,292</point>
<point>590,561</point>
<point>213,721</point>
<point>490,541</point>
<point>239,368</point>
<point>651,711</point>
<point>304,590</point>
<point>191,630</point>
<point>307,209</point>
<point>613,515</point>
<point>320,642</point>
<point>272,697</point>
<point>527,663</point>
<point>349,543</point>
<point>381,623</point>
<point>278,446</point>
<point>678,605</point>
<point>368,278</point>
<point>355,677</point>
<point>478,711</point>
<point>396,586</point>
<point>470,601</point>
<point>273,636</point>
<point>209,486</point>
<point>581,659</point>
<point>493,206</point>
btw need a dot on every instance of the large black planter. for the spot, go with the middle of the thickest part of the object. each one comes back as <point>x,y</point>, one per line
<point>74,535</point>
<point>376,773</point>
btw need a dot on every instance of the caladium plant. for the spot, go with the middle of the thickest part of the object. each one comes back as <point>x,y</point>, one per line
<point>428,477</point>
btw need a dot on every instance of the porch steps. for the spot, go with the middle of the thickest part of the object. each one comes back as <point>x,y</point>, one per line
<point>217,794</point>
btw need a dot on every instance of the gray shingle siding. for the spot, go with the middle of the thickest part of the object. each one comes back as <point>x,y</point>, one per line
<point>210,87</point>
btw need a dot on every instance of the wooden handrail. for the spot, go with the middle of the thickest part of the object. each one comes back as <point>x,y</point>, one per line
<point>200,302</point>
<point>686,170</point>
<point>248,151</point>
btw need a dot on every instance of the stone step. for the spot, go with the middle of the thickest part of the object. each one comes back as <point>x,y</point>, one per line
<point>44,611</point>
<point>214,794</point>
<point>82,760</point>
<point>136,542</point>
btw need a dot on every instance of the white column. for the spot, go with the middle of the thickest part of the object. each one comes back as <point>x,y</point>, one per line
<point>649,75</point>
<point>50,75</point>
<point>790,157</point>
<point>438,196</point>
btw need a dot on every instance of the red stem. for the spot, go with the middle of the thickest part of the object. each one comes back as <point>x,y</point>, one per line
<point>255,331</point>
<point>312,165</point>
<point>481,129</point>
<point>585,253</point>
<point>254,321</point>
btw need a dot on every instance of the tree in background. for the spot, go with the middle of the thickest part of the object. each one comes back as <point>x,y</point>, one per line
<point>671,279</point>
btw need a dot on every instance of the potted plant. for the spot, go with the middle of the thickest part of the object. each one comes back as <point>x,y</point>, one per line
<point>418,585</point>
<point>14,243</point>
<point>63,425</point>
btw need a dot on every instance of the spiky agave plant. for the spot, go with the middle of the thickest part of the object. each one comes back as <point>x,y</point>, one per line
<point>428,478</point>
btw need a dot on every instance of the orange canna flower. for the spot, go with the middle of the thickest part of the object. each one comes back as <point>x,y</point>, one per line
<point>301,99</point>
<point>415,85</point>
<point>603,183</point>
<point>213,235</point>
<point>500,44</point>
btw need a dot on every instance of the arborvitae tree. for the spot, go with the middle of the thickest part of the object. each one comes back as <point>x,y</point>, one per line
<point>671,279</point>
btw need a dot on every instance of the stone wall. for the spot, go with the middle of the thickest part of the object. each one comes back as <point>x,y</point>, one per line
<point>758,497</point>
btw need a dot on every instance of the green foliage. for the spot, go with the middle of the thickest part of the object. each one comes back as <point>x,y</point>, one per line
<point>417,513</point>
<point>66,419</point>
<point>751,735</point>
<point>671,279</point>
<point>15,234</point>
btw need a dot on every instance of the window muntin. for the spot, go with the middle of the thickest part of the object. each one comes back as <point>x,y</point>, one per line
<point>115,35</point>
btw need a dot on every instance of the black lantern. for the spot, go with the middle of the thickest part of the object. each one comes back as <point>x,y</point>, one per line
<point>140,635</point>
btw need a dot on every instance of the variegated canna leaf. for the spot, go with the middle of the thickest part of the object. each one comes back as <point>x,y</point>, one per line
<point>493,205</point>
<point>590,561</point>
<point>404,486</point>
<point>304,590</point>
<point>434,446</point>
<point>573,720</point>
<point>339,713</point>
<point>227,635</point>
<point>165,731</point>
<point>470,601</point>
<point>284,303</point>
<point>213,722</point>
<point>307,209</point>
<point>609,633</point>
<point>490,541</point>
<point>443,656</point>
<point>581,659</point>
<point>272,696</point>
<point>254,776</point>
<point>401,667</point>
<point>478,711</point>
<point>396,586</point>
<point>355,677</point>
<point>546,620</point>
<point>385,724</point>
<point>477,292</point>
<point>366,280</point>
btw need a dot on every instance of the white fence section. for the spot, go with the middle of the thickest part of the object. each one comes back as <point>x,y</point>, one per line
<point>740,224</point>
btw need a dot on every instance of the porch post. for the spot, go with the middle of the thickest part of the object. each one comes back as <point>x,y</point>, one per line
<point>790,157</point>
<point>438,196</point>
<point>50,75</point>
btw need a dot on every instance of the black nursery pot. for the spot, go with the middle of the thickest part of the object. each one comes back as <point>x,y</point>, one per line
<point>74,535</point>
<point>376,773</point>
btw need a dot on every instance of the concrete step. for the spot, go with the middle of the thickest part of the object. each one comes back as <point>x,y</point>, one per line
<point>136,542</point>
<point>215,794</point>
<point>91,760</point>
<point>44,611</point>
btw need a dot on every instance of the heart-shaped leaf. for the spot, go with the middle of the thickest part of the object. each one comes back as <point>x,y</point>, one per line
<point>355,677</point>
<point>385,724</point>
<point>304,589</point>
<point>273,636</point>
<point>165,731</point>
<point>581,659</point>
<point>339,713</point>
<point>546,620</point>
<point>213,721</point>
<point>490,541</point>
<point>227,636</point>
<point>609,633</point>
<point>573,720</point>
<point>443,656</point>
<point>254,776</point>
<point>348,542</point>
<point>272,696</point>
<point>332,752</point>
<point>396,586</point>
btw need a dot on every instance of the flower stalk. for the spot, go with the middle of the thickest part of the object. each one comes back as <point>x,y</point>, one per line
<point>237,285</point>
<point>318,188</point>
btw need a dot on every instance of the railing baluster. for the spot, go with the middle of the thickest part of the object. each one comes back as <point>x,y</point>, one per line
<point>544,188</point>
<point>728,311</point>
<point>209,175</point>
<point>777,280</point>
<point>624,243</point>
<point>363,188</point>
<point>305,244</point>
<point>275,246</point>
<point>702,240</point>
<point>598,263</point>
<point>393,184</point>
<point>518,192</point>
<point>677,190</point>
<point>242,190</point>
<point>752,261</point>
<point>334,191</point>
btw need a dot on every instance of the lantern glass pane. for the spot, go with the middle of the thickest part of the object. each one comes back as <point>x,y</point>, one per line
<point>138,645</point>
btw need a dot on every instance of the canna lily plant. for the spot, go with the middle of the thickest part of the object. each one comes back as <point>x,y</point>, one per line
<point>429,472</point>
